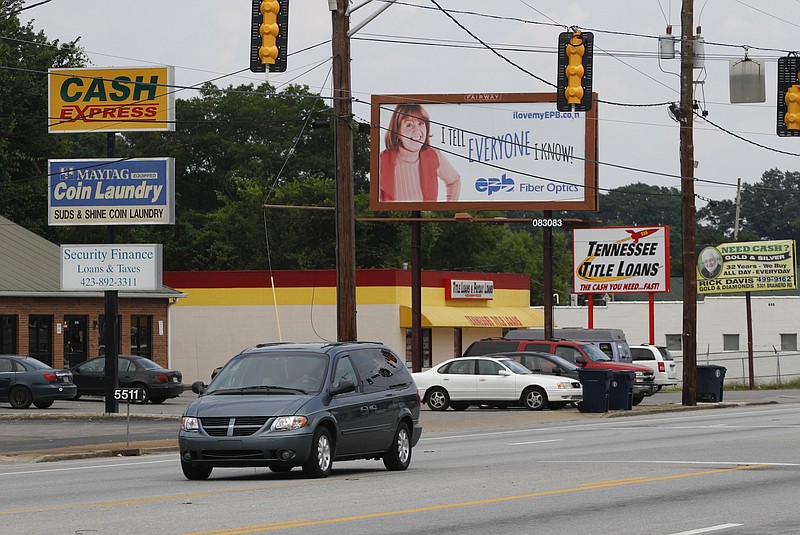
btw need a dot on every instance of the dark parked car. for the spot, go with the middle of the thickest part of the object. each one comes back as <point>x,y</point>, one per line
<point>284,405</point>
<point>158,383</point>
<point>544,363</point>
<point>25,380</point>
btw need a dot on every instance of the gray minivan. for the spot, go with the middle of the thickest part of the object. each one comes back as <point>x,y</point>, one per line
<point>612,342</point>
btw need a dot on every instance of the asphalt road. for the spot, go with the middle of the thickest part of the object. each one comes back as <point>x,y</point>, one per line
<point>731,471</point>
<point>71,429</point>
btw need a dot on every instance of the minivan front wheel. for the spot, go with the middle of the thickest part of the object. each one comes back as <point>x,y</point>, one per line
<point>320,462</point>
<point>195,472</point>
<point>398,456</point>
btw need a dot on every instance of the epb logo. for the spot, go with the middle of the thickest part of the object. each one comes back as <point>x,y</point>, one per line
<point>494,184</point>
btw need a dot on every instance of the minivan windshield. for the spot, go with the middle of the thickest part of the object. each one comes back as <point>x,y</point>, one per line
<point>272,373</point>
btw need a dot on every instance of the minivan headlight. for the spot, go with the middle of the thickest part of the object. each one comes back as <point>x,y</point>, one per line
<point>288,423</point>
<point>190,423</point>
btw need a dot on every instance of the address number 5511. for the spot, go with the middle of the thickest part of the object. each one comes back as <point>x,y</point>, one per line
<point>129,394</point>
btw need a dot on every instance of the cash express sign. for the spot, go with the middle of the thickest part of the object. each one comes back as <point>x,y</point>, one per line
<point>111,100</point>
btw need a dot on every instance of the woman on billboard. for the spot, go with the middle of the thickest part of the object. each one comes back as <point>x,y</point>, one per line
<point>410,169</point>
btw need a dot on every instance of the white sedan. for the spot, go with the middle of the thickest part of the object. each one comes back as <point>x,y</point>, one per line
<point>466,381</point>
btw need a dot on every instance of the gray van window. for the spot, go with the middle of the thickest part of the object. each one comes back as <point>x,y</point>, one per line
<point>379,369</point>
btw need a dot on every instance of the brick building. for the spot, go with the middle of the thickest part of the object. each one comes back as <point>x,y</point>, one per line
<point>64,328</point>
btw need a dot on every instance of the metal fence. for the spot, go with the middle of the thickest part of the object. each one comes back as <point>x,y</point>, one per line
<point>770,367</point>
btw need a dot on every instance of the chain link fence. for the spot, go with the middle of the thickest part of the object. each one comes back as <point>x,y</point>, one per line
<point>771,367</point>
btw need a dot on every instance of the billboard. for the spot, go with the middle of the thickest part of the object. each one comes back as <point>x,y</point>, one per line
<point>138,191</point>
<point>111,267</point>
<point>119,99</point>
<point>747,267</point>
<point>620,260</point>
<point>487,151</point>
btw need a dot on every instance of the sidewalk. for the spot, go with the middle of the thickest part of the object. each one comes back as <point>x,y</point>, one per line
<point>81,429</point>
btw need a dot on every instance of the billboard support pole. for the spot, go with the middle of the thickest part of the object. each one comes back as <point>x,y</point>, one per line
<point>751,369</point>
<point>547,275</point>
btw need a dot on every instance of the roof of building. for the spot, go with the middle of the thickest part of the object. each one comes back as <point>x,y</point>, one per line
<point>30,266</point>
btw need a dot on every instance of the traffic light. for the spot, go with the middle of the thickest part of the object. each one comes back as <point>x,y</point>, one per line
<point>574,80</point>
<point>788,110</point>
<point>268,35</point>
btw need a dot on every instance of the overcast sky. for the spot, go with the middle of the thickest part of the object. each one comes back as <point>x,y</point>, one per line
<point>415,48</point>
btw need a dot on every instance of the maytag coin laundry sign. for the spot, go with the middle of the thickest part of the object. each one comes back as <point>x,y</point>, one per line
<point>111,192</point>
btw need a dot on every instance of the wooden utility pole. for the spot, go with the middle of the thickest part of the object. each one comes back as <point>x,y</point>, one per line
<point>345,206</point>
<point>689,216</point>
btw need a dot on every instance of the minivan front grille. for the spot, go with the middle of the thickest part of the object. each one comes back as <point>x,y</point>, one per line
<point>238,426</point>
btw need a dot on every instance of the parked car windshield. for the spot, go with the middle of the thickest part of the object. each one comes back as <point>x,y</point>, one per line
<point>264,373</point>
<point>516,367</point>
<point>595,353</point>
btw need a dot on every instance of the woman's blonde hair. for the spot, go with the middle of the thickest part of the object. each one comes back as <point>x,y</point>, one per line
<point>393,135</point>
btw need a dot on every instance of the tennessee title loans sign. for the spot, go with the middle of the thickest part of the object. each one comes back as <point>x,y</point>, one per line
<point>111,192</point>
<point>620,260</point>
<point>489,151</point>
<point>111,99</point>
<point>747,267</point>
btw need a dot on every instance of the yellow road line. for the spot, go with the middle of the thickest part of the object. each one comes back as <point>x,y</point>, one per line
<point>275,526</point>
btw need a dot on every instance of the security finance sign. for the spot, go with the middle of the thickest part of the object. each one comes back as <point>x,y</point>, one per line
<point>111,192</point>
<point>484,151</point>
<point>127,99</point>
<point>111,267</point>
<point>620,260</point>
<point>747,267</point>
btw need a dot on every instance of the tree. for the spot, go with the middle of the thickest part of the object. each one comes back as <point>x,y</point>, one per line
<point>770,209</point>
<point>25,144</point>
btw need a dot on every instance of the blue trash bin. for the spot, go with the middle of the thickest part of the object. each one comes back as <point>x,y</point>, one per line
<point>595,390</point>
<point>620,393</point>
<point>709,382</point>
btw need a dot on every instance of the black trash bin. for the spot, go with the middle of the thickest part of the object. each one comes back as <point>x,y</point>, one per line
<point>595,390</point>
<point>709,382</point>
<point>620,394</point>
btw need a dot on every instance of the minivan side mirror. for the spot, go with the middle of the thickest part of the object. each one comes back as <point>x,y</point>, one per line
<point>198,387</point>
<point>342,387</point>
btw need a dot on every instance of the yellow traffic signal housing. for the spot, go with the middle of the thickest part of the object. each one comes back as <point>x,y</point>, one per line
<point>268,35</point>
<point>575,50</point>
<point>792,116</point>
<point>574,80</point>
<point>268,51</point>
<point>788,108</point>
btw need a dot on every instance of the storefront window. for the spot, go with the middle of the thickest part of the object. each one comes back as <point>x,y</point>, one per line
<point>40,338</point>
<point>426,348</point>
<point>141,335</point>
<point>8,335</point>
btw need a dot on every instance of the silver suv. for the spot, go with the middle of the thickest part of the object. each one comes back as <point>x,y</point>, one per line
<point>659,359</point>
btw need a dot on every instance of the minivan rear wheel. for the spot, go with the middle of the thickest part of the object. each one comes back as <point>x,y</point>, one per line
<point>398,456</point>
